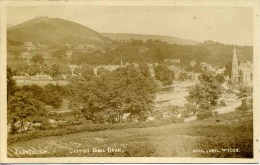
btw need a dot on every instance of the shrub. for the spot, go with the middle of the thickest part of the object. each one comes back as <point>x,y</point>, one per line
<point>246,104</point>
<point>204,115</point>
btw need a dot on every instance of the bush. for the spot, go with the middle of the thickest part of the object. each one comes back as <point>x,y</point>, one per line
<point>247,104</point>
<point>204,115</point>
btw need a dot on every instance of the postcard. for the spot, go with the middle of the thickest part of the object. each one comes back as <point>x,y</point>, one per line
<point>129,81</point>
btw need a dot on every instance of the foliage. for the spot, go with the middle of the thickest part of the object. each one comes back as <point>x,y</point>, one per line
<point>33,69</point>
<point>11,84</point>
<point>107,97</point>
<point>64,69</point>
<point>246,104</point>
<point>38,59</point>
<point>205,94</point>
<point>244,91</point>
<point>163,73</point>
<point>204,115</point>
<point>183,76</point>
<point>55,71</point>
<point>228,68</point>
<point>144,69</point>
<point>236,137</point>
<point>35,90</point>
<point>220,78</point>
<point>155,51</point>
<point>51,94</point>
<point>87,72</point>
<point>101,71</point>
<point>190,109</point>
<point>59,54</point>
<point>23,111</point>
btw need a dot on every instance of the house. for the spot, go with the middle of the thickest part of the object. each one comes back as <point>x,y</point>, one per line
<point>25,55</point>
<point>192,63</point>
<point>172,61</point>
<point>68,54</point>
<point>30,46</point>
<point>246,72</point>
<point>41,77</point>
<point>73,68</point>
<point>207,67</point>
<point>177,71</point>
<point>19,78</point>
<point>220,70</point>
<point>243,73</point>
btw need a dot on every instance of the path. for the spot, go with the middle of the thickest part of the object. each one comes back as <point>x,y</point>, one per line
<point>230,107</point>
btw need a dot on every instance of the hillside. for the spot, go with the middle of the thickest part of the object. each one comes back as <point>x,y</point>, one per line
<point>144,37</point>
<point>54,30</point>
<point>170,140</point>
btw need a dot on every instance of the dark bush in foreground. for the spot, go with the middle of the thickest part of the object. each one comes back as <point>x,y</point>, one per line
<point>226,141</point>
<point>247,104</point>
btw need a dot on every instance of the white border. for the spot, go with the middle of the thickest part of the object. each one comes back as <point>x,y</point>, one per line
<point>3,114</point>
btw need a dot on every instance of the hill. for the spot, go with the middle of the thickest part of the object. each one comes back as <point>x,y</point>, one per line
<point>54,30</point>
<point>169,140</point>
<point>144,37</point>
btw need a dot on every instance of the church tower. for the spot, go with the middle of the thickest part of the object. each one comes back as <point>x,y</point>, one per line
<point>234,71</point>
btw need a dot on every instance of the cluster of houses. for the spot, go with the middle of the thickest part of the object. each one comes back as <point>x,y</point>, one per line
<point>32,49</point>
<point>241,73</point>
<point>38,77</point>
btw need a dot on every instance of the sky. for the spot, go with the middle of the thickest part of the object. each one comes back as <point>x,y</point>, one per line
<point>229,25</point>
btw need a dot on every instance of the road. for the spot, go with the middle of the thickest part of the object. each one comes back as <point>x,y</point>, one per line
<point>230,107</point>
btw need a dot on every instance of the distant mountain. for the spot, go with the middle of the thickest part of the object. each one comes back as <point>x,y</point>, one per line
<point>144,37</point>
<point>54,30</point>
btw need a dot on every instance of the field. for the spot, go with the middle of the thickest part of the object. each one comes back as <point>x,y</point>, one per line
<point>225,135</point>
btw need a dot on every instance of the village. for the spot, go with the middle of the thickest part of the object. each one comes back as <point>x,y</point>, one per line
<point>29,49</point>
<point>117,84</point>
<point>173,96</point>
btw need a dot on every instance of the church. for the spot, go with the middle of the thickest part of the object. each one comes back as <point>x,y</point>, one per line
<point>241,73</point>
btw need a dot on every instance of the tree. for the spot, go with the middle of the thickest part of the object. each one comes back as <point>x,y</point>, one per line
<point>33,69</point>
<point>183,76</point>
<point>220,78</point>
<point>163,74</point>
<point>87,72</point>
<point>55,71</point>
<point>205,94</point>
<point>51,94</point>
<point>101,71</point>
<point>228,68</point>
<point>64,69</point>
<point>108,97</point>
<point>38,59</point>
<point>59,54</point>
<point>11,84</point>
<point>23,111</point>
<point>35,90</point>
<point>52,98</point>
<point>144,69</point>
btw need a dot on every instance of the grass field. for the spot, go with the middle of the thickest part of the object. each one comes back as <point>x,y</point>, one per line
<point>226,135</point>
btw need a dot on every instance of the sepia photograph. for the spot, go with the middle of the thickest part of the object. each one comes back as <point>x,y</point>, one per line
<point>158,81</point>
